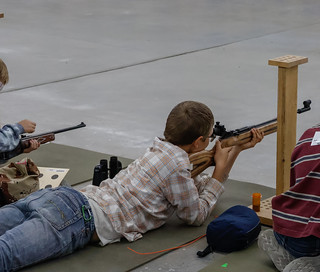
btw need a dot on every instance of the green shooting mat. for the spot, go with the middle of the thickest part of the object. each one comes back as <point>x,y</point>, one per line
<point>116,257</point>
<point>81,162</point>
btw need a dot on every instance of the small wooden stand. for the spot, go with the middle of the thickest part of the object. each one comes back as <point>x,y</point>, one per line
<point>287,126</point>
<point>1,14</point>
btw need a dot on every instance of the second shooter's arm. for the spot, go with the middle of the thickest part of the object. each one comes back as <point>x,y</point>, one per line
<point>203,159</point>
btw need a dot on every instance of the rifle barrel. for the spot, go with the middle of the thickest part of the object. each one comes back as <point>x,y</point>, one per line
<point>239,131</point>
<point>69,128</point>
<point>54,132</point>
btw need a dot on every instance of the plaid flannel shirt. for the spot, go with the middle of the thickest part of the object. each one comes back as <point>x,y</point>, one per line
<point>145,194</point>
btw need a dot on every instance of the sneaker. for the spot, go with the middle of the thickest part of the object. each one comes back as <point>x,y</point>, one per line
<point>277,253</point>
<point>304,264</point>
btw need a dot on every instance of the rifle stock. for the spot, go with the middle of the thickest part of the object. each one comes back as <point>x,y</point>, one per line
<point>202,160</point>
<point>42,139</point>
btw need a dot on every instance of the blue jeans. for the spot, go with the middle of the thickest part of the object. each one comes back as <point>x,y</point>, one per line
<point>300,247</point>
<point>47,224</point>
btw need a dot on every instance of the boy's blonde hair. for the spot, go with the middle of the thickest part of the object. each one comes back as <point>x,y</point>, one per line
<point>4,74</point>
<point>187,121</point>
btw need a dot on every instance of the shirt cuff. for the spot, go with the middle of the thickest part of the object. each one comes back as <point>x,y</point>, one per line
<point>20,128</point>
<point>216,187</point>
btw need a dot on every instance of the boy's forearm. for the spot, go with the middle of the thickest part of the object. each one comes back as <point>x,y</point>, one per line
<point>221,172</point>
<point>208,198</point>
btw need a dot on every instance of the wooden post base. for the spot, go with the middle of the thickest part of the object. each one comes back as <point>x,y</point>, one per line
<point>265,213</point>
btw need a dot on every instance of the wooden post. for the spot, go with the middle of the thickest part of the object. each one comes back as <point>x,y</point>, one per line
<point>287,116</point>
<point>286,127</point>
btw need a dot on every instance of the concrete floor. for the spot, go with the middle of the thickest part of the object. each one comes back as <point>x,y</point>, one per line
<point>121,65</point>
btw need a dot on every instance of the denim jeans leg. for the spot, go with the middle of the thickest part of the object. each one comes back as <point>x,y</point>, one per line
<point>300,247</point>
<point>54,226</point>
<point>10,216</point>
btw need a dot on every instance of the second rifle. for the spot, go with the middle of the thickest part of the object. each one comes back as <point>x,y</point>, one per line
<point>41,138</point>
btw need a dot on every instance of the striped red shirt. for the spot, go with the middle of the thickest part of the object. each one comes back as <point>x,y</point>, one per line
<point>296,213</point>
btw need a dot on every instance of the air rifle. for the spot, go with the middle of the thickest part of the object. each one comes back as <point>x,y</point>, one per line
<point>203,159</point>
<point>41,138</point>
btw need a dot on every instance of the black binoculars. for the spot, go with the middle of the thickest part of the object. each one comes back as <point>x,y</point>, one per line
<point>102,171</point>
